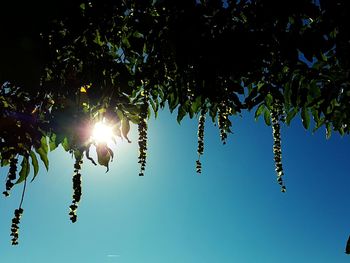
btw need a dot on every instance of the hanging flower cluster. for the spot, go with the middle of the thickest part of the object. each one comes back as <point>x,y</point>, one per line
<point>76,189</point>
<point>16,219</point>
<point>142,129</point>
<point>11,176</point>
<point>200,134</point>
<point>223,113</point>
<point>276,117</point>
<point>15,227</point>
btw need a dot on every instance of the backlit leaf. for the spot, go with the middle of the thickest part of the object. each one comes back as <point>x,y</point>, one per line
<point>23,174</point>
<point>35,164</point>
<point>125,128</point>
<point>103,155</point>
<point>42,151</point>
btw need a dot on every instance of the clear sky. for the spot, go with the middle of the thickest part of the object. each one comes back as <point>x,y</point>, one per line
<point>232,212</point>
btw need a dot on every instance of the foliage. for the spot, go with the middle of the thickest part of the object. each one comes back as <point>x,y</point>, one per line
<point>77,63</point>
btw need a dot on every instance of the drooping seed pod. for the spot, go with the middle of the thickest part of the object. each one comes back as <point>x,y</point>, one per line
<point>142,129</point>
<point>11,176</point>
<point>276,115</point>
<point>200,137</point>
<point>76,189</point>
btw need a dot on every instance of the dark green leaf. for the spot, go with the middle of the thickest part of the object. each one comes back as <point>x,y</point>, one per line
<point>259,110</point>
<point>181,113</point>
<point>305,117</point>
<point>347,250</point>
<point>287,96</point>
<point>137,34</point>
<point>268,100</point>
<point>267,117</point>
<point>197,104</point>
<point>291,115</point>
<point>42,151</point>
<point>328,130</point>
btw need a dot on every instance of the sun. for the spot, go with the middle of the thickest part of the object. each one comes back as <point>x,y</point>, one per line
<point>102,133</point>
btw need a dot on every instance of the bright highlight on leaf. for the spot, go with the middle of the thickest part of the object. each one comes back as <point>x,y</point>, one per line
<point>102,133</point>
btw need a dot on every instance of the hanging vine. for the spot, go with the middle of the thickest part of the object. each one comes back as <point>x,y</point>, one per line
<point>200,145</point>
<point>277,116</point>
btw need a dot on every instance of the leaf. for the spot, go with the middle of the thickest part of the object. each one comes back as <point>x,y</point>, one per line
<point>137,34</point>
<point>65,144</point>
<point>42,151</point>
<point>173,101</point>
<point>260,85</point>
<point>259,111</point>
<point>103,155</point>
<point>126,42</point>
<point>154,106</point>
<point>305,118</point>
<point>87,153</point>
<point>267,117</point>
<point>181,113</point>
<point>35,164</point>
<point>268,100</point>
<point>328,130</point>
<point>287,95</point>
<point>23,174</point>
<point>291,115</point>
<point>125,128</point>
<point>52,142</point>
<point>197,104</point>
<point>97,39</point>
<point>347,250</point>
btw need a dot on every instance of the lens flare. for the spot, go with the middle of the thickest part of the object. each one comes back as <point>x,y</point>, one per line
<point>102,133</point>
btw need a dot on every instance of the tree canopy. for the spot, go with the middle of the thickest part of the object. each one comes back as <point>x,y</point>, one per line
<point>67,65</point>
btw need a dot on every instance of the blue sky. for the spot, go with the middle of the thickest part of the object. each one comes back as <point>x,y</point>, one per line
<point>232,212</point>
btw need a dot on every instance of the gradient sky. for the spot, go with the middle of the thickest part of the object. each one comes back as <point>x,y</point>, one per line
<point>232,212</point>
